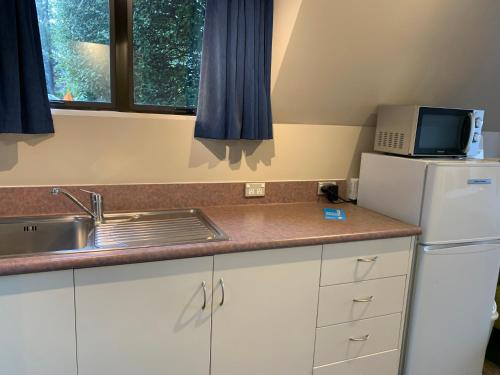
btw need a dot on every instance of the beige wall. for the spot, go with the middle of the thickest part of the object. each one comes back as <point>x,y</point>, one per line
<point>97,148</point>
<point>343,58</point>
<point>129,148</point>
<point>333,62</point>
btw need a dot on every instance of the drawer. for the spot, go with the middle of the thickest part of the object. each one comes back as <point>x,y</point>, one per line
<point>360,300</point>
<point>356,339</point>
<point>386,363</point>
<point>364,260</point>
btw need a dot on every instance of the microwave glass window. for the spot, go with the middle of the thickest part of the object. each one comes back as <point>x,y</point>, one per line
<point>441,132</point>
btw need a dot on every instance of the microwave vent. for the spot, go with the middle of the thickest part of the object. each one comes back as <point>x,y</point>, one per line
<point>390,140</point>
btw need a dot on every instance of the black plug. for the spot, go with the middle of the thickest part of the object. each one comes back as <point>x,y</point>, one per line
<point>331,192</point>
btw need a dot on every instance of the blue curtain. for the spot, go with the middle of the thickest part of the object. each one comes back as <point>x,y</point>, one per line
<point>24,105</point>
<point>235,84</point>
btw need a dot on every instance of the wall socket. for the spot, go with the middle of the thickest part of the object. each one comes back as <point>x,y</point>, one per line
<point>255,189</point>
<point>324,183</point>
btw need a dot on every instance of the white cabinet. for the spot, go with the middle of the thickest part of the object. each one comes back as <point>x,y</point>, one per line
<point>362,307</point>
<point>266,324</point>
<point>145,319</point>
<point>377,364</point>
<point>333,309</point>
<point>37,324</point>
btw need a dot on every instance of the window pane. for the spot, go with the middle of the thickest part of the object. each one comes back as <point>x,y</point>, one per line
<point>167,39</point>
<point>75,46</point>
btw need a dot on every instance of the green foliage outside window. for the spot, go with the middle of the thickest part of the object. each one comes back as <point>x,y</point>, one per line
<point>75,43</point>
<point>166,44</point>
<point>167,36</point>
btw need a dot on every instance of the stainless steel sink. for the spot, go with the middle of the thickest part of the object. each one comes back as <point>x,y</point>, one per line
<point>75,233</point>
<point>156,228</point>
<point>41,234</point>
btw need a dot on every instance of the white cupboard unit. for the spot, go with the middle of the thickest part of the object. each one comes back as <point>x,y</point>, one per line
<point>37,324</point>
<point>356,339</point>
<point>264,311</point>
<point>364,260</point>
<point>147,318</point>
<point>336,309</point>
<point>362,307</point>
<point>361,300</point>
<point>378,364</point>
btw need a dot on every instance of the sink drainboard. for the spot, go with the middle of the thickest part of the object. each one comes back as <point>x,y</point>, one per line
<point>184,227</point>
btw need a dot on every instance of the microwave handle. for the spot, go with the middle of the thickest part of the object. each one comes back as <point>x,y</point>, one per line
<point>472,118</point>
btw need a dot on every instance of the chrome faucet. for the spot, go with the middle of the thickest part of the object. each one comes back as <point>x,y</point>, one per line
<point>96,199</point>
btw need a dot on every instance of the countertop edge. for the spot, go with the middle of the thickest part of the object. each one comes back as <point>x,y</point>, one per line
<point>57,262</point>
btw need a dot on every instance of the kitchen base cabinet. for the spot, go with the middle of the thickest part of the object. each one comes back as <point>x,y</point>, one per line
<point>37,324</point>
<point>264,311</point>
<point>377,364</point>
<point>145,319</point>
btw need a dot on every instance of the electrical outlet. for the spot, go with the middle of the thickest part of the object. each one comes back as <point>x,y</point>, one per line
<point>324,183</point>
<point>255,189</point>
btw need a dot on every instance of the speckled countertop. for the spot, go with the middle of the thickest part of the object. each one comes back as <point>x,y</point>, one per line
<point>249,227</point>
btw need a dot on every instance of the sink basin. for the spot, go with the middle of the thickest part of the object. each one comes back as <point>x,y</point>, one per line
<point>41,234</point>
<point>71,233</point>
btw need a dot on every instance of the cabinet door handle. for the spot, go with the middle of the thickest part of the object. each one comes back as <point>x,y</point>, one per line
<point>368,259</point>
<point>221,281</point>
<point>365,299</point>
<point>362,338</point>
<point>204,287</point>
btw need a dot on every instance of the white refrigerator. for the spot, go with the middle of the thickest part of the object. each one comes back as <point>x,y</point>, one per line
<point>457,205</point>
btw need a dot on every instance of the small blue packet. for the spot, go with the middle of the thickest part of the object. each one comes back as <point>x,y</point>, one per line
<point>334,214</point>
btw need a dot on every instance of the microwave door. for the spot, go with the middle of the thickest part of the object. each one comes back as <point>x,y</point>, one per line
<point>443,132</point>
<point>468,138</point>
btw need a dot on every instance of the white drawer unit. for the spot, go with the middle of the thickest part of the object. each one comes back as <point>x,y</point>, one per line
<point>385,363</point>
<point>365,260</point>
<point>362,307</point>
<point>360,300</point>
<point>355,339</point>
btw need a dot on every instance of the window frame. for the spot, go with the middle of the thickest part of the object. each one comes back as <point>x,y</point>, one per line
<point>121,69</point>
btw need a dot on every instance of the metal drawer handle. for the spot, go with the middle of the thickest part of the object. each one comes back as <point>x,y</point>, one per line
<point>362,338</point>
<point>221,281</point>
<point>368,259</point>
<point>366,299</point>
<point>204,286</point>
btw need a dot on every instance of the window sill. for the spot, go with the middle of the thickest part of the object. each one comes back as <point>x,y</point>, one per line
<point>116,114</point>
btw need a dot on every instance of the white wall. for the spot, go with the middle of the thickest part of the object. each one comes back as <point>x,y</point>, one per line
<point>333,62</point>
<point>136,148</point>
<point>345,57</point>
<point>491,144</point>
<point>101,148</point>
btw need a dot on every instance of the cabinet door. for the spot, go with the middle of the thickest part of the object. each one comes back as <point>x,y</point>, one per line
<point>37,324</point>
<point>145,318</point>
<point>266,324</point>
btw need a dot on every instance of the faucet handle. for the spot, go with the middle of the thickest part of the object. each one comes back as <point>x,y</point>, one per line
<point>89,192</point>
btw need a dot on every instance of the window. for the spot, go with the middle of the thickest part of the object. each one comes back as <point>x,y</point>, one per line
<point>126,55</point>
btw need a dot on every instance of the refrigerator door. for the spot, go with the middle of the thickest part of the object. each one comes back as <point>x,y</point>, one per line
<point>450,312</point>
<point>461,203</point>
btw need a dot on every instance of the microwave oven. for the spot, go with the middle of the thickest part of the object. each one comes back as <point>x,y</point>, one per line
<point>415,130</point>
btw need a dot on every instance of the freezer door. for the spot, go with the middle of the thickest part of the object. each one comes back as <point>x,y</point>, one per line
<point>450,312</point>
<point>461,203</point>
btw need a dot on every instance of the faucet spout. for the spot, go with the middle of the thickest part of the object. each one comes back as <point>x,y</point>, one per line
<point>97,212</point>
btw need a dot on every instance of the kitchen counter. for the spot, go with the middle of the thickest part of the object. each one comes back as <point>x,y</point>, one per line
<point>249,227</point>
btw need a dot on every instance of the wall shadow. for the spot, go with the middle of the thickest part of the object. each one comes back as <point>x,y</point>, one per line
<point>9,154</point>
<point>234,152</point>
<point>364,143</point>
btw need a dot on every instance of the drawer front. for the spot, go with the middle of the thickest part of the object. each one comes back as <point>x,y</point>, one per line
<point>360,300</point>
<point>364,260</point>
<point>377,364</point>
<point>356,339</point>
